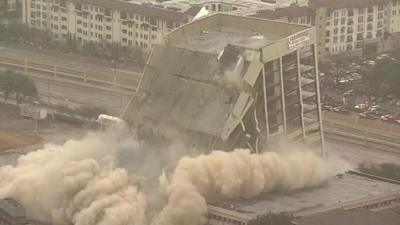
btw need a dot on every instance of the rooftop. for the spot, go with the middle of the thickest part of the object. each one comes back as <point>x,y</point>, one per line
<point>339,4</point>
<point>290,12</point>
<point>213,33</point>
<point>215,40</point>
<point>388,216</point>
<point>345,191</point>
<point>143,9</point>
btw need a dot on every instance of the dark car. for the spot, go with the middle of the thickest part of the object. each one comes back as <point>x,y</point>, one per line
<point>341,109</point>
<point>369,115</point>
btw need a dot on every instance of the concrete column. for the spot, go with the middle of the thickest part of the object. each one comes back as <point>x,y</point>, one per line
<point>300,94</point>
<point>265,103</point>
<point>283,96</point>
<point>85,76</point>
<point>323,153</point>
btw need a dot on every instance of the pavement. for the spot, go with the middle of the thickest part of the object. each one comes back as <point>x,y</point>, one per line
<point>353,120</point>
<point>74,96</point>
<point>72,61</point>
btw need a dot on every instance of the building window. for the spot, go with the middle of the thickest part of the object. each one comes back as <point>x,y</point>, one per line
<point>170,25</point>
<point>350,12</point>
<point>370,9</point>
<point>360,27</point>
<point>369,26</point>
<point>359,37</point>
<point>360,19</point>
<point>342,38</point>
<point>370,18</point>
<point>336,22</point>
<point>123,15</point>
<point>349,38</point>
<point>361,11</point>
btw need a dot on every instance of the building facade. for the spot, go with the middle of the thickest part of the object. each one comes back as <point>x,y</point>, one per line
<point>344,26</point>
<point>259,86</point>
<point>293,14</point>
<point>104,21</point>
<point>9,11</point>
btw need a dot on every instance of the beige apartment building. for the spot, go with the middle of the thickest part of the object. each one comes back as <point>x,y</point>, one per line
<point>345,26</point>
<point>105,21</point>
<point>293,14</point>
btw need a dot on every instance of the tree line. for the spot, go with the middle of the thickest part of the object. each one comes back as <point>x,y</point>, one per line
<point>23,34</point>
<point>384,77</point>
<point>17,85</point>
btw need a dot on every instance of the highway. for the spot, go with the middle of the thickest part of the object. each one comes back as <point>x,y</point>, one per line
<point>74,96</point>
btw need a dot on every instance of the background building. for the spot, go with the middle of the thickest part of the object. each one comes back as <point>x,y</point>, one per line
<point>344,26</point>
<point>351,198</point>
<point>226,81</point>
<point>293,14</point>
<point>105,21</point>
<point>10,11</point>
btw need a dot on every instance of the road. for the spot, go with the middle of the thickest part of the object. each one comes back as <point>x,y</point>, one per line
<point>355,154</point>
<point>73,96</point>
<point>354,121</point>
<point>72,61</point>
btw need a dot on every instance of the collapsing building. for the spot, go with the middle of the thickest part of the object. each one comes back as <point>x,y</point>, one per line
<point>226,81</point>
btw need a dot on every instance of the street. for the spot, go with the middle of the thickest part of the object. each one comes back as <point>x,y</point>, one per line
<point>74,96</point>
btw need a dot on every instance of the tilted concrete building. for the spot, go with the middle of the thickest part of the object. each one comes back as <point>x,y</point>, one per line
<point>229,81</point>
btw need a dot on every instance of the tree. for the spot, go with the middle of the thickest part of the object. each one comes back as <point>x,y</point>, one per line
<point>384,77</point>
<point>18,84</point>
<point>7,84</point>
<point>24,88</point>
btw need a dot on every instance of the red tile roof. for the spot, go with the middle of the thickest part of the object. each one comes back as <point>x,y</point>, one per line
<point>139,9</point>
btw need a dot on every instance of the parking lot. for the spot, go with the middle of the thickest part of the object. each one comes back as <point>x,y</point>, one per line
<point>344,91</point>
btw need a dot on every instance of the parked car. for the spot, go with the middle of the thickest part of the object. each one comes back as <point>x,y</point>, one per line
<point>327,107</point>
<point>341,109</point>
<point>360,108</point>
<point>392,118</point>
<point>369,115</point>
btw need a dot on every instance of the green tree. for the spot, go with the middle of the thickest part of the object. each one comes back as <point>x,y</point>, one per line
<point>18,84</point>
<point>24,88</point>
<point>384,77</point>
<point>7,84</point>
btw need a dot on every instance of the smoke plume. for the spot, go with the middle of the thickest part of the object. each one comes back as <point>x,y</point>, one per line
<point>82,183</point>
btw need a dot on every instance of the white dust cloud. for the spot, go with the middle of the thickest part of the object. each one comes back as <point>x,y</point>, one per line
<point>79,183</point>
